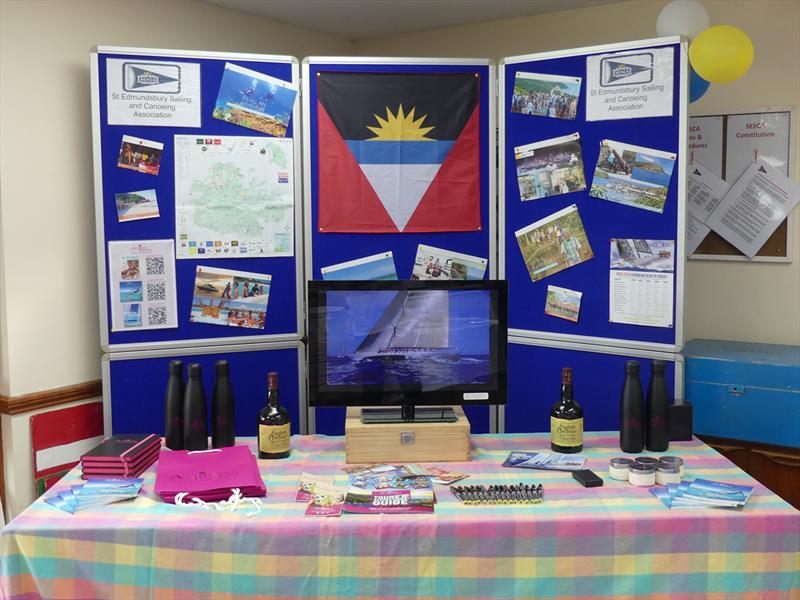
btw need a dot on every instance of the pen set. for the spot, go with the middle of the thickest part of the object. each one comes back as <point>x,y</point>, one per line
<point>499,494</point>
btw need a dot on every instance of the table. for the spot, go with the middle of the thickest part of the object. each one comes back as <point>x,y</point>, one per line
<point>616,541</point>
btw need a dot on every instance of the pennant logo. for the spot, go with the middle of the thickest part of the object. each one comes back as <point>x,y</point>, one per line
<point>400,130</point>
<point>696,172</point>
<point>630,69</point>
<point>157,78</point>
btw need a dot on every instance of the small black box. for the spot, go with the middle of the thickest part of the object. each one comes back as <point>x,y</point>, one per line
<point>587,478</point>
<point>680,422</point>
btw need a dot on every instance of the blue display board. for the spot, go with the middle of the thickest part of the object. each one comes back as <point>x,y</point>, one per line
<point>326,249</point>
<point>284,318</point>
<point>602,220</point>
<point>534,385</point>
<point>134,385</point>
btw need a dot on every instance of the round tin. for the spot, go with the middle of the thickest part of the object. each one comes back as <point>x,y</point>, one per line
<point>643,475</point>
<point>618,468</point>
<point>667,473</point>
<point>673,460</point>
<point>646,460</point>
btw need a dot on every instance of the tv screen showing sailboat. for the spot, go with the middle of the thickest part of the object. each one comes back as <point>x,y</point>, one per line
<point>424,337</point>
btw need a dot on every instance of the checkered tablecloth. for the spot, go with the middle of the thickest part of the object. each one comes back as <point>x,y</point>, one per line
<point>615,541</point>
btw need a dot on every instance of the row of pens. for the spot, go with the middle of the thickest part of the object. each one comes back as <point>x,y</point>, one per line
<point>499,494</point>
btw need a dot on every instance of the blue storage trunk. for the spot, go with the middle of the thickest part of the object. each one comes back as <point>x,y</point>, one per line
<point>744,391</point>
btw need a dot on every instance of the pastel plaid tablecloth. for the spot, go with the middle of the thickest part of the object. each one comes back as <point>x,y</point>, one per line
<point>615,541</point>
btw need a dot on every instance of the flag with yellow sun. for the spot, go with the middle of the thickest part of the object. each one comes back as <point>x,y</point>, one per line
<point>398,152</point>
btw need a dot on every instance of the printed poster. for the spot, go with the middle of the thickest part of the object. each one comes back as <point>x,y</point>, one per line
<point>641,282</point>
<point>369,268</point>
<point>234,196</point>
<point>550,167</point>
<point>630,84</point>
<point>705,142</point>
<point>253,100</point>
<point>153,92</point>
<point>141,279</point>
<point>230,298</point>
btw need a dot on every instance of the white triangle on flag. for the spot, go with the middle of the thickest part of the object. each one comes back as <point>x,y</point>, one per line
<point>400,187</point>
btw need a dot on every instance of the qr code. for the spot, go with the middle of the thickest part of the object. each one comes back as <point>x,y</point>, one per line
<point>157,315</point>
<point>154,265</point>
<point>156,290</point>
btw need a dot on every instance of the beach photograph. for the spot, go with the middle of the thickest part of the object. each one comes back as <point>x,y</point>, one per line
<point>130,291</point>
<point>632,175</point>
<point>253,100</point>
<point>550,167</point>
<point>554,243</point>
<point>545,95</point>
<point>378,267</point>
<point>563,303</point>
<point>132,206</point>
<point>230,298</point>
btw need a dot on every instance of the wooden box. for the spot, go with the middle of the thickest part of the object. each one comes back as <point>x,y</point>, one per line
<point>406,442</point>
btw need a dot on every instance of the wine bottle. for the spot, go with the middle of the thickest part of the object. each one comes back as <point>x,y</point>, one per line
<point>274,426</point>
<point>222,421</point>
<point>195,425</point>
<point>173,407</point>
<point>657,410</point>
<point>566,419</point>
<point>631,431</point>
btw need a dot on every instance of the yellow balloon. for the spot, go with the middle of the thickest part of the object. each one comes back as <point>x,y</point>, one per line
<point>721,54</point>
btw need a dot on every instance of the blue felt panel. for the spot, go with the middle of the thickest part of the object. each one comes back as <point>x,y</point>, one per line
<point>330,419</point>
<point>534,385</point>
<point>282,308</point>
<point>602,219</point>
<point>138,387</point>
<point>333,248</point>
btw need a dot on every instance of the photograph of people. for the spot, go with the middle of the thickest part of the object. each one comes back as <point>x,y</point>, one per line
<point>546,95</point>
<point>550,167</point>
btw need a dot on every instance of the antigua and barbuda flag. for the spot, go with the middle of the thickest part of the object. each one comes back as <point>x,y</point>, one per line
<point>398,152</point>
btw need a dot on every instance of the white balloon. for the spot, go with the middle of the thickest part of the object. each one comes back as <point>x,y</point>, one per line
<point>682,17</point>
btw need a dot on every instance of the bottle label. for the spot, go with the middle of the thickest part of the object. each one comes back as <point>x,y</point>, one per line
<point>566,432</point>
<point>273,439</point>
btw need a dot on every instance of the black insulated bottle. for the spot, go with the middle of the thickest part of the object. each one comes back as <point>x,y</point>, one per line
<point>173,407</point>
<point>222,422</point>
<point>657,410</point>
<point>195,423</point>
<point>631,430</point>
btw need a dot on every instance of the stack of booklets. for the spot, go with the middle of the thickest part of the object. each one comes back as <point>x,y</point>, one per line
<point>208,475</point>
<point>703,493</point>
<point>381,488</point>
<point>95,493</point>
<point>124,455</point>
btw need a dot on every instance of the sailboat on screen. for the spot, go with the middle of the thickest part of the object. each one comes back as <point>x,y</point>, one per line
<point>415,324</point>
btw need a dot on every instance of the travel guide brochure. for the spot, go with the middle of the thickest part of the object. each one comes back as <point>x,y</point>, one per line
<point>95,493</point>
<point>703,493</point>
<point>326,501</point>
<point>381,488</point>
<point>549,461</point>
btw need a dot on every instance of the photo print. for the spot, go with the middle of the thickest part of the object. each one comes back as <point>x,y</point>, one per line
<point>230,298</point>
<point>550,167</point>
<point>132,206</point>
<point>563,303</point>
<point>554,243</point>
<point>130,291</point>
<point>253,100</point>
<point>643,255</point>
<point>633,175</point>
<point>546,95</point>
<point>440,264</point>
<point>369,268</point>
<point>143,156</point>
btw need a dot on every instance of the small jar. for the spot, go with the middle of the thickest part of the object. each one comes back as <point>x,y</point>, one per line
<point>667,473</point>
<point>642,475</point>
<point>647,460</point>
<point>618,468</point>
<point>673,460</point>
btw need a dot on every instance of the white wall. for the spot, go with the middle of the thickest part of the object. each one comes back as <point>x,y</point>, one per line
<point>49,334</point>
<point>733,301</point>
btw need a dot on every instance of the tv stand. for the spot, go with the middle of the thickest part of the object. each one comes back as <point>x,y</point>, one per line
<point>408,413</point>
<point>402,441</point>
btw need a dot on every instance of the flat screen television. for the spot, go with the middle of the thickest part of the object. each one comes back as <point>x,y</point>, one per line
<point>389,346</point>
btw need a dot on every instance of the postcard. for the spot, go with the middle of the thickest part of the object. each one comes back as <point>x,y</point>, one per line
<point>308,482</point>
<point>554,243</point>
<point>326,501</point>
<point>437,263</point>
<point>550,167</point>
<point>230,298</point>
<point>253,100</point>
<point>444,477</point>
<point>550,461</point>
<point>143,156</point>
<point>643,255</point>
<point>132,206</point>
<point>546,95</point>
<point>563,303</point>
<point>633,175</point>
<point>369,268</point>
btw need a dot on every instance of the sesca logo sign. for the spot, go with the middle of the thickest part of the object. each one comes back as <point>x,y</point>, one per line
<point>161,78</point>
<point>626,70</point>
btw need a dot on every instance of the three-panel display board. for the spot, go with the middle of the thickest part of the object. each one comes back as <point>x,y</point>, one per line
<point>200,161</point>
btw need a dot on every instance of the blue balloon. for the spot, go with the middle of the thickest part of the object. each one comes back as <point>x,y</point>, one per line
<point>697,86</point>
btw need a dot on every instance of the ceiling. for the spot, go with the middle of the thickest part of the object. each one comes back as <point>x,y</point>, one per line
<point>362,19</point>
